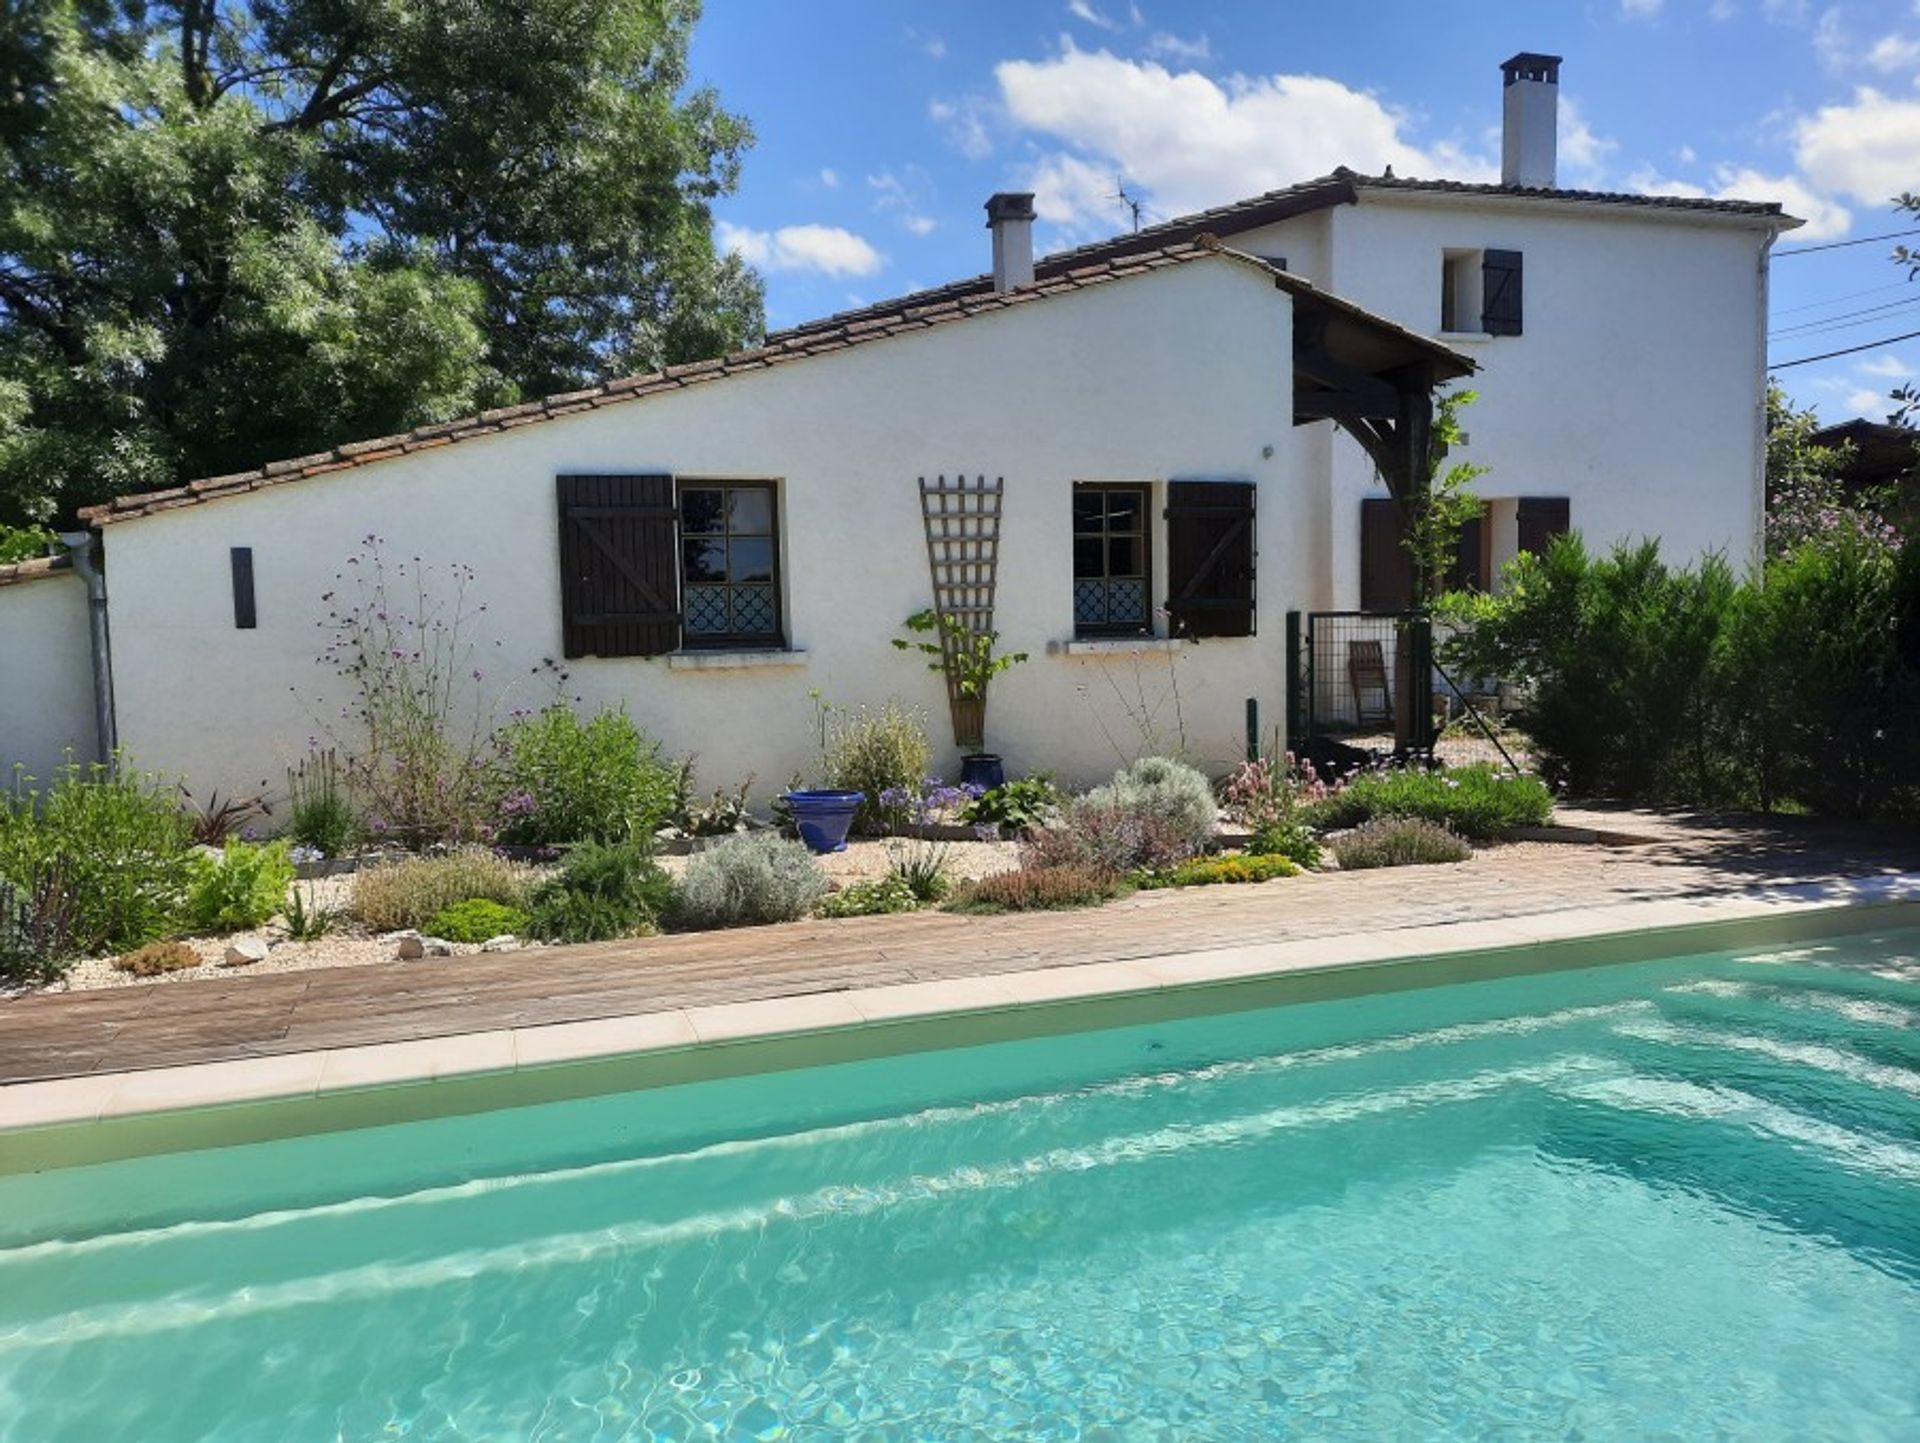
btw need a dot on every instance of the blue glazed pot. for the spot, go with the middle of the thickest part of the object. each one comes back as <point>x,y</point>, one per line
<point>823,818</point>
<point>983,770</point>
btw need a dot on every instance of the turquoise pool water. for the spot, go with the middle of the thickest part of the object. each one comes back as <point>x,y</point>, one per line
<point>1676,1200</point>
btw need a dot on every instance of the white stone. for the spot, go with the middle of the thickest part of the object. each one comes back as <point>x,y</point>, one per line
<point>245,951</point>
<point>505,942</point>
<point>436,947</point>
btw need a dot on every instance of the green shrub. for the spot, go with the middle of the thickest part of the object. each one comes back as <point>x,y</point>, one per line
<point>875,750</point>
<point>566,780</point>
<point>410,893</point>
<point>1107,837</point>
<point>1294,840</point>
<point>476,920</point>
<point>24,543</point>
<point>241,888</point>
<point>1477,801</point>
<point>1206,871</point>
<point>119,846</point>
<point>603,892</point>
<point>307,920</point>
<point>1398,842</point>
<point>1172,791</point>
<point>1044,888</point>
<point>36,926</point>
<point>1017,806</point>
<point>921,867</point>
<point>322,816</point>
<point>868,899</point>
<point>157,957</point>
<point>749,879</point>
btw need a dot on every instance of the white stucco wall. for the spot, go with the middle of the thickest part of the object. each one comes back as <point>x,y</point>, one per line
<point>46,696</point>
<point>1635,389</point>
<point>1183,373</point>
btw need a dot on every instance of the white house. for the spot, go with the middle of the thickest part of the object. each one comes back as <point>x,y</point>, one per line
<point>713,546</point>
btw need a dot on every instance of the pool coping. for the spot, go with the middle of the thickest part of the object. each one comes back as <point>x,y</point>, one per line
<point>98,1117</point>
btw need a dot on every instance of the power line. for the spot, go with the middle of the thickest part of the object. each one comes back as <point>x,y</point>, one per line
<point>1849,296</point>
<point>1846,320</point>
<point>1850,350</point>
<point>1865,240</point>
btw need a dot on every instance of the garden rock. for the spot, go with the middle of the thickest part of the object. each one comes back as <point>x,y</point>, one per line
<point>436,946</point>
<point>245,951</point>
<point>412,946</point>
<point>505,942</point>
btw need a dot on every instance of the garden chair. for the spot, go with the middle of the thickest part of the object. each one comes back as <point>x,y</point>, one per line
<point>1367,675</point>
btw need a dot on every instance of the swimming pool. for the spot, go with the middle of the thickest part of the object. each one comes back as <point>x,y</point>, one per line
<point>1675,1199</point>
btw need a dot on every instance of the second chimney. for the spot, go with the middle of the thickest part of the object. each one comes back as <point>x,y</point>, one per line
<point>1010,218</point>
<point>1529,137</point>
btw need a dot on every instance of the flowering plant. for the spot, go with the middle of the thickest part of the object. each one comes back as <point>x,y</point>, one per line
<point>1265,794</point>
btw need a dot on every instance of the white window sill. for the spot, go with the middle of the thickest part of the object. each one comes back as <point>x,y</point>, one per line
<point>1118,645</point>
<point>1452,337</point>
<point>734,660</point>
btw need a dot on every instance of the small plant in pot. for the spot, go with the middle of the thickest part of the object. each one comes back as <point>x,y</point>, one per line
<point>966,658</point>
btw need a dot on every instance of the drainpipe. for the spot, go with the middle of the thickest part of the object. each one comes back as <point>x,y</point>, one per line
<point>83,547</point>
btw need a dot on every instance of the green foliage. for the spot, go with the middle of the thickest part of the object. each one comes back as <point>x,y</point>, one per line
<point>1294,841</point>
<point>23,543</point>
<point>321,814</point>
<point>1479,801</point>
<point>1048,887</point>
<point>241,232</point>
<point>749,879</point>
<point>1434,519</point>
<point>722,813</point>
<point>921,867</point>
<point>243,887</point>
<point>411,892</point>
<point>1616,656</point>
<point>37,922</point>
<point>1207,871</point>
<point>1016,806</point>
<point>307,920</point>
<point>156,958</point>
<point>1181,797</point>
<point>566,780</point>
<point>1108,837</point>
<point>113,845</point>
<point>1806,498</point>
<point>972,664</point>
<point>1398,842</point>
<point>476,920</point>
<point>605,891</point>
<point>874,750</point>
<point>871,898</point>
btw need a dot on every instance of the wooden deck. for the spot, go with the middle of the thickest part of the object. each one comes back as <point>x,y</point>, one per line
<point>162,1024</point>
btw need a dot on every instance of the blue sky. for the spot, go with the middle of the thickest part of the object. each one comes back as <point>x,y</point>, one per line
<point>884,127</point>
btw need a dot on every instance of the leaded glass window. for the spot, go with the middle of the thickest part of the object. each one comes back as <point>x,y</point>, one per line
<point>1110,570</point>
<point>729,564</point>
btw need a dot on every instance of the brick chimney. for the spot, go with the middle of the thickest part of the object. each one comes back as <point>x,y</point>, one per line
<point>1010,218</point>
<point>1529,139</point>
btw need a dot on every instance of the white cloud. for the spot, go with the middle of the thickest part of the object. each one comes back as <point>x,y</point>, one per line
<point>826,249</point>
<point>1886,365</point>
<point>1825,218</point>
<point>1864,402</point>
<point>1083,11</point>
<point>904,195</point>
<point>1892,53</point>
<point>1686,155</point>
<point>829,177</point>
<point>1165,45</point>
<point>965,122</point>
<point>1865,149</point>
<point>1722,10</point>
<point>1194,142</point>
<point>920,224</point>
<point>1582,151</point>
<point>934,47</point>
<point>1640,9</point>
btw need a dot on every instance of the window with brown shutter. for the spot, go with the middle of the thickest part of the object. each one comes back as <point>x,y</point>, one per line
<point>618,571</point>
<point>1541,519</point>
<point>1500,293</point>
<point>1111,569</point>
<point>729,564</point>
<point>1386,571</point>
<point>1210,558</point>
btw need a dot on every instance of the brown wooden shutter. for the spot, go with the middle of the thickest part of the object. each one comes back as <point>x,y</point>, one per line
<point>1386,570</point>
<point>1500,292</point>
<point>1541,519</point>
<point>1468,571</point>
<point>619,571</point>
<point>1210,555</point>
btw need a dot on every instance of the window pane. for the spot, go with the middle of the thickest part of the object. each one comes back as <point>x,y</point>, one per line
<point>1123,510</point>
<point>752,610</point>
<point>1123,556</point>
<point>1087,508</point>
<point>1127,603</point>
<point>750,509</point>
<point>750,559</point>
<point>1086,556</point>
<point>703,560</point>
<point>706,609</point>
<point>701,510</point>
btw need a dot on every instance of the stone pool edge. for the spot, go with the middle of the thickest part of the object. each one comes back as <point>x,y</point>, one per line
<point>74,1121</point>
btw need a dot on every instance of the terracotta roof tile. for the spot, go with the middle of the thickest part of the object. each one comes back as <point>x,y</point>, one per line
<point>37,568</point>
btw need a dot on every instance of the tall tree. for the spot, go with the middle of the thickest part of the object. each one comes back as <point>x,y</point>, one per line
<point>235,231</point>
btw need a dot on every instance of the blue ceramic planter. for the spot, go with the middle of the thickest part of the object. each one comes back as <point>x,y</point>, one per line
<point>983,770</point>
<point>823,818</point>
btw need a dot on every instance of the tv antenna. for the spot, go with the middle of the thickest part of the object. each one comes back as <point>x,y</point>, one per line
<point>1133,203</point>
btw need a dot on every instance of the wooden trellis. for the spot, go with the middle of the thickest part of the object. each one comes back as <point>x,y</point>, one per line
<point>962,518</point>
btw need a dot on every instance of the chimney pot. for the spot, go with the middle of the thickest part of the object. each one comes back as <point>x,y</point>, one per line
<point>1010,218</point>
<point>1529,140</point>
